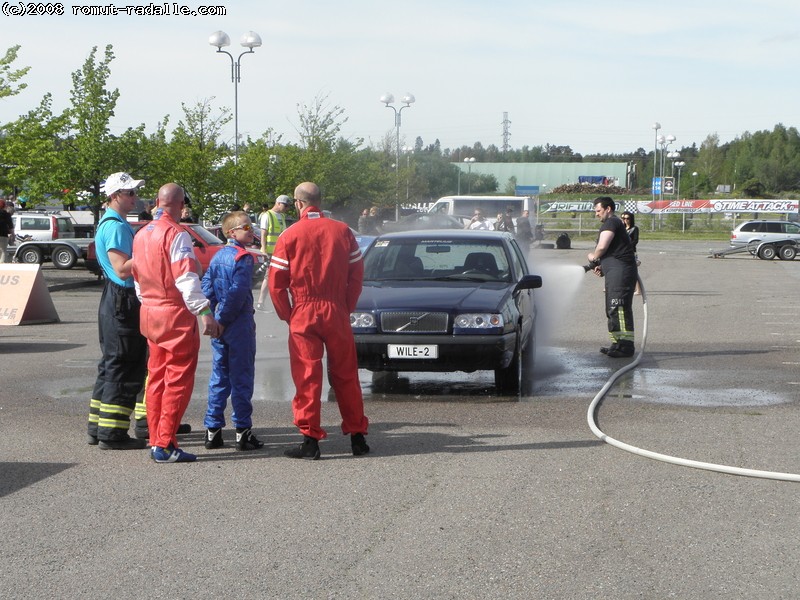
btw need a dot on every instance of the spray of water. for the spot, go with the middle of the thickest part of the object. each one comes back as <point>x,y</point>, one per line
<point>556,297</point>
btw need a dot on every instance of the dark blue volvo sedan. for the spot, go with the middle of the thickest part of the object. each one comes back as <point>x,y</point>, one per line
<point>447,300</point>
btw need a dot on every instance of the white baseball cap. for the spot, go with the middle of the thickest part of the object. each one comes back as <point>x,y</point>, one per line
<point>120,181</point>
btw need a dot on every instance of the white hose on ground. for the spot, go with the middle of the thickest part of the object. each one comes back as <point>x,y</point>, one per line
<point>655,455</point>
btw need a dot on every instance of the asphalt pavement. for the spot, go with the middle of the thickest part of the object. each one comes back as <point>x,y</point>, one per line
<point>466,493</point>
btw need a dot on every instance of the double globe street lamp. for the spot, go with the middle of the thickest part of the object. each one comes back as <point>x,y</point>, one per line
<point>388,100</point>
<point>250,40</point>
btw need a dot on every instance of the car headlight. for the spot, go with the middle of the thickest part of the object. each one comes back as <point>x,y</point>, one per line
<point>479,321</point>
<point>362,320</point>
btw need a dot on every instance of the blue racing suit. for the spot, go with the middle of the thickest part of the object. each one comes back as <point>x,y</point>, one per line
<point>227,284</point>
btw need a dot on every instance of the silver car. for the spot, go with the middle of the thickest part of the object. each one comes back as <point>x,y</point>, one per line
<point>752,233</point>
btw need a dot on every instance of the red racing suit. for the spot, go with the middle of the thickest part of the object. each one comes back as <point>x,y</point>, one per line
<point>164,271</point>
<point>318,263</point>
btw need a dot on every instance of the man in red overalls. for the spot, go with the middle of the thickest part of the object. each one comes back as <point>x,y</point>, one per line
<point>165,274</point>
<point>315,278</point>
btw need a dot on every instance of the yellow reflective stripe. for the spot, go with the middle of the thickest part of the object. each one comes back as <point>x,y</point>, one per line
<point>94,418</point>
<point>140,410</point>
<point>116,410</point>
<point>94,403</point>
<point>112,424</point>
<point>623,334</point>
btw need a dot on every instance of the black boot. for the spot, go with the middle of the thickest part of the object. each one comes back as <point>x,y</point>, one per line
<point>245,440</point>
<point>308,450</point>
<point>122,443</point>
<point>624,349</point>
<point>214,439</point>
<point>613,347</point>
<point>358,444</point>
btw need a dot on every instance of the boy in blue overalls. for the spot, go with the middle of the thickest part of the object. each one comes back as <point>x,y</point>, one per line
<point>227,284</point>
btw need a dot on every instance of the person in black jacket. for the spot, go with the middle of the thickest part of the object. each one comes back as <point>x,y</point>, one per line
<point>6,230</point>
<point>633,232</point>
<point>615,260</point>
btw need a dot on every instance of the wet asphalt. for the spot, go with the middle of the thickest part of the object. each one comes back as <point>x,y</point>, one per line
<point>466,493</point>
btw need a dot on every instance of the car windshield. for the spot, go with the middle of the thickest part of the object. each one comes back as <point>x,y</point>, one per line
<point>438,259</point>
<point>204,234</point>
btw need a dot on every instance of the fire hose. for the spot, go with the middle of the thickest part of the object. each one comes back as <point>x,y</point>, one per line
<point>684,462</point>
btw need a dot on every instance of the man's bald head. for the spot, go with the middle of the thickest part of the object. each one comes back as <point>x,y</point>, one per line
<point>308,193</point>
<point>171,198</point>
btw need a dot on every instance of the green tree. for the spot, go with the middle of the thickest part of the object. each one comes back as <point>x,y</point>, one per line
<point>31,149</point>
<point>90,151</point>
<point>9,78</point>
<point>199,162</point>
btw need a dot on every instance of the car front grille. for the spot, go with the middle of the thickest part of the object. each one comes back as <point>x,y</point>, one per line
<point>414,322</point>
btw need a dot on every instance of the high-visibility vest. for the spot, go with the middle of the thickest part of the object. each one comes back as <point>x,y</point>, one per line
<point>275,224</point>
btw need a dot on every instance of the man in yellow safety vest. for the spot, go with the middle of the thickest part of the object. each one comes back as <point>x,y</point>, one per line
<point>272,223</point>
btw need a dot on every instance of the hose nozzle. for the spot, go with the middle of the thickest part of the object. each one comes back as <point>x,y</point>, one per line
<point>591,266</point>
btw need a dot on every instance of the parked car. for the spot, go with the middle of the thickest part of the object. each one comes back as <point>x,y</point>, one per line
<point>205,243</point>
<point>425,220</point>
<point>41,235</point>
<point>752,233</point>
<point>43,226</point>
<point>445,301</point>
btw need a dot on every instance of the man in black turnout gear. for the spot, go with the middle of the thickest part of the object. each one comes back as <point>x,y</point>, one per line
<point>614,259</point>
<point>123,366</point>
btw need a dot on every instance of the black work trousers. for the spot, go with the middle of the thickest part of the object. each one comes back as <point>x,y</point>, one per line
<point>620,279</point>
<point>123,367</point>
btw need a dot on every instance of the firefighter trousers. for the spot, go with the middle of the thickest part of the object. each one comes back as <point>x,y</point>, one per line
<point>620,281</point>
<point>123,367</point>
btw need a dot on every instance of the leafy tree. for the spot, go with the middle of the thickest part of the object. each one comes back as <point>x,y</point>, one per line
<point>199,162</point>
<point>90,151</point>
<point>8,77</point>
<point>31,149</point>
<point>710,159</point>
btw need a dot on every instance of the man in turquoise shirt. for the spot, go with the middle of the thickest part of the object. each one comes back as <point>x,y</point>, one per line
<point>122,369</point>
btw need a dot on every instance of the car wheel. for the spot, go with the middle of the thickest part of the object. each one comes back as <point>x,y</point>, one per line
<point>64,258</point>
<point>512,379</point>
<point>31,256</point>
<point>766,252</point>
<point>383,380</point>
<point>787,252</point>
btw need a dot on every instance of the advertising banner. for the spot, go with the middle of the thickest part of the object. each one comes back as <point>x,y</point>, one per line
<point>24,298</point>
<point>684,206</point>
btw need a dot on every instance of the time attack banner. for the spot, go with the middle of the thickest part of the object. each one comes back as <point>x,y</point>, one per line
<point>683,206</point>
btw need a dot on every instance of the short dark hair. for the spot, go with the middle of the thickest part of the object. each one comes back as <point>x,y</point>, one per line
<point>605,202</point>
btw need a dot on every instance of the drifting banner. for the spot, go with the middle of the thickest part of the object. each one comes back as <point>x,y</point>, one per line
<point>684,206</point>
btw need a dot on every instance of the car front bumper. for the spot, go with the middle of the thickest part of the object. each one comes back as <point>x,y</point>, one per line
<point>466,353</point>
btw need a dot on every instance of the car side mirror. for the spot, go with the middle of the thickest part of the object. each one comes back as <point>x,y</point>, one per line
<point>528,282</point>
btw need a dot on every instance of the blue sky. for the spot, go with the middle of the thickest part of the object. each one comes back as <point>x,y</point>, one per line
<point>591,75</point>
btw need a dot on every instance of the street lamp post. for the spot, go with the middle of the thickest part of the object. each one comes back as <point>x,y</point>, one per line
<point>388,100</point>
<point>469,162</point>
<point>656,126</point>
<point>250,40</point>
<point>664,143</point>
<point>679,165</point>
<point>408,152</point>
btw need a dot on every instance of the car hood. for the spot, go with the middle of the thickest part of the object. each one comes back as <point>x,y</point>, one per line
<point>433,295</point>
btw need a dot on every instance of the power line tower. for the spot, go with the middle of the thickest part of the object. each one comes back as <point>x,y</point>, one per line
<point>506,132</point>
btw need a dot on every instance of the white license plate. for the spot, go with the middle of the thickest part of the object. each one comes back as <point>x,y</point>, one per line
<point>413,351</point>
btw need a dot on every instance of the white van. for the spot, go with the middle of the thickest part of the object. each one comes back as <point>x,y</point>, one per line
<point>490,205</point>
